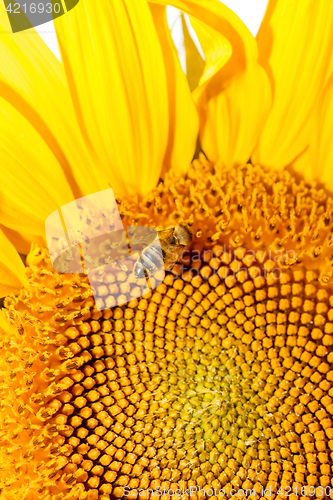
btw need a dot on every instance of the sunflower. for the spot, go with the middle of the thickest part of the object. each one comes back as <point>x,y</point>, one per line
<point>220,377</point>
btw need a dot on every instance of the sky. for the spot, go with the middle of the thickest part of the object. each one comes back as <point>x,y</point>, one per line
<point>250,12</point>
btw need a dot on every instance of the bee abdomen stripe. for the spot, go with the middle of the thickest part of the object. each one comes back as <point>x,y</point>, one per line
<point>146,262</point>
<point>156,256</point>
<point>151,259</point>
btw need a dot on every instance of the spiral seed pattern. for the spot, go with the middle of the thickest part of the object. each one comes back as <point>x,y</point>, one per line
<point>221,376</point>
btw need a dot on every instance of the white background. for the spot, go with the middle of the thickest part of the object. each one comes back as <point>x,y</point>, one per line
<point>251,13</point>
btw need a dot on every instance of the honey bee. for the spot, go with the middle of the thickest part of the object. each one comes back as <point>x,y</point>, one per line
<point>172,241</point>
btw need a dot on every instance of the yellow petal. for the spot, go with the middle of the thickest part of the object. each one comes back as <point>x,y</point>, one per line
<point>12,274</point>
<point>295,48</point>
<point>232,120</point>
<point>22,241</point>
<point>195,64</point>
<point>34,82</point>
<point>321,144</point>
<point>301,166</point>
<point>216,47</point>
<point>183,116</point>
<point>233,104</point>
<point>115,70</point>
<point>33,184</point>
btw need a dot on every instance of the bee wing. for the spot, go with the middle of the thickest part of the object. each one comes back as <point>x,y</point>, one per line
<point>140,237</point>
<point>147,238</point>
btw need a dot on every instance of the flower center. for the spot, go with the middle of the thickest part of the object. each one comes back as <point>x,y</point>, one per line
<point>218,378</point>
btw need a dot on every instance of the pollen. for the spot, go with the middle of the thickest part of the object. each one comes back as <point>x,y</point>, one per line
<point>218,377</point>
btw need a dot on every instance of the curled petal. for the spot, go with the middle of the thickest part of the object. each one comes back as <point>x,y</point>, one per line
<point>295,48</point>
<point>234,97</point>
<point>183,116</point>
